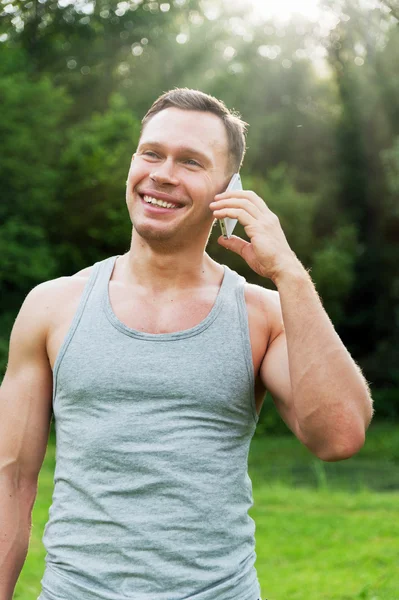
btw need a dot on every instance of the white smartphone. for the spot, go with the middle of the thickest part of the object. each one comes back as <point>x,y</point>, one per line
<point>227,225</point>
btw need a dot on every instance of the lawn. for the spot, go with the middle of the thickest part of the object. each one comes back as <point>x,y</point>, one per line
<point>324,531</point>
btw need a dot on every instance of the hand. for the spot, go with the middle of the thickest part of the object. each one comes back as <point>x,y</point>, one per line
<point>268,252</point>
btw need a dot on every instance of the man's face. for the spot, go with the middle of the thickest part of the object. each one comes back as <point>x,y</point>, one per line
<point>181,159</point>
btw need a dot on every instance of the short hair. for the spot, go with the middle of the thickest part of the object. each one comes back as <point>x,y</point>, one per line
<point>188,99</point>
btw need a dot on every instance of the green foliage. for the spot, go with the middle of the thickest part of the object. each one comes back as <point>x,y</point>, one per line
<point>31,113</point>
<point>90,202</point>
<point>26,255</point>
<point>387,402</point>
<point>333,270</point>
<point>4,352</point>
<point>296,210</point>
<point>390,158</point>
<point>76,79</point>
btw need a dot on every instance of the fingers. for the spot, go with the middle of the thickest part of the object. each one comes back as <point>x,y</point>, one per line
<point>234,243</point>
<point>245,194</point>
<point>235,213</point>
<point>235,203</point>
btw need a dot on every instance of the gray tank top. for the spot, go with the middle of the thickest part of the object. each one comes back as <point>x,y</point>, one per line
<point>151,486</point>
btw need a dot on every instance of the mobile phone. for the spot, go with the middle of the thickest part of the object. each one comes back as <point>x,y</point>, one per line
<point>227,225</point>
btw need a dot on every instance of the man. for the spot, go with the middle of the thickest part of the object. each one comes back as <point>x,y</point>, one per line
<point>158,361</point>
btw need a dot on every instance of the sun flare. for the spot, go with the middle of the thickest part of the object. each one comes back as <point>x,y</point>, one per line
<point>282,10</point>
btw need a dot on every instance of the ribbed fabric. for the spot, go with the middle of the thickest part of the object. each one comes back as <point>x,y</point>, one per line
<point>152,491</point>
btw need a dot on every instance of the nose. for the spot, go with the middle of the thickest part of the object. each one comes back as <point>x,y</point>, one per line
<point>164,174</point>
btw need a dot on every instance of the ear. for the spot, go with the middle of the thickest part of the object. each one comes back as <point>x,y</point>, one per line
<point>134,156</point>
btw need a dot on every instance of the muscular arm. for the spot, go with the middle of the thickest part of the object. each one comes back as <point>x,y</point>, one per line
<point>25,415</point>
<point>317,387</point>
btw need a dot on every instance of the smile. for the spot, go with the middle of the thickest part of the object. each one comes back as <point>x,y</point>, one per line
<point>162,203</point>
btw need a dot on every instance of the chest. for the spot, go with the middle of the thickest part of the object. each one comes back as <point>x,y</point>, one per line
<point>156,315</point>
<point>161,314</point>
<point>168,314</point>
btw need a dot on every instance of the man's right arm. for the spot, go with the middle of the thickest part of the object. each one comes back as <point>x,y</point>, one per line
<point>25,416</point>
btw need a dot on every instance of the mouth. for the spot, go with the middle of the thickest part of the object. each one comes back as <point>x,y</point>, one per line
<point>159,202</point>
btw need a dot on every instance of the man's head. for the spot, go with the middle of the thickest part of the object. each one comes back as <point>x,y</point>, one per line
<point>186,99</point>
<point>189,147</point>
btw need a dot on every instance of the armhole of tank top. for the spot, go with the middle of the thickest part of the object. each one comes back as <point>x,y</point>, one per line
<point>74,324</point>
<point>246,341</point>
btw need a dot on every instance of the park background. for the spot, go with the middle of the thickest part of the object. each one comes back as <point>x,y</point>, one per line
<point>320,91</point>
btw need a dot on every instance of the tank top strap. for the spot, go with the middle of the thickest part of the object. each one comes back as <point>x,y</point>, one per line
<point>231,280</point>
<point>103,269</point>
<point>91,295</point>
<point>237,322</point>
<point>234,286</point>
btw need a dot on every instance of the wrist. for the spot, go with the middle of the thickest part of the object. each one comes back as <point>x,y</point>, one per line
<point>291,272</point>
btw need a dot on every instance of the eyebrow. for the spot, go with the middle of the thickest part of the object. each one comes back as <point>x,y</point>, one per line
<point>181,150</point>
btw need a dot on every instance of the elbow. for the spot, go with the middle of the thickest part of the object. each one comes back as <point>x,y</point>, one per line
<point>342,449</point>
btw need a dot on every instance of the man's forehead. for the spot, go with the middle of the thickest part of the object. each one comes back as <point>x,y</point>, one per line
<point>198,130</point>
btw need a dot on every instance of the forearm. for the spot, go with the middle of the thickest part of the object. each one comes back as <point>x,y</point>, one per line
<point>15,518</point>
<point>331,397</point>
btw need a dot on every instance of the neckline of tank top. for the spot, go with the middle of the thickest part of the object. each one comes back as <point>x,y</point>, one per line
<point>163,337</point>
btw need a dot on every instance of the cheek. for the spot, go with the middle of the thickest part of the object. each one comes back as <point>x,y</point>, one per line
<point>202,187</point>
<point>131,183</point>
<point>208,194</point>
<point>133,177</point>
<point>138,170</point>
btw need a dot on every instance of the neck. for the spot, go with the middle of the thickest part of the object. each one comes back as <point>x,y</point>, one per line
<point>159,268</point>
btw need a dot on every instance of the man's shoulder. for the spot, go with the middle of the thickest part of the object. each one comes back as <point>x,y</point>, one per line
<point>264,309</point>
<point>50,301</point>
<point>85,273</point>
<point>261,299</point>
<point>61,284</point>
<point>52,294</point>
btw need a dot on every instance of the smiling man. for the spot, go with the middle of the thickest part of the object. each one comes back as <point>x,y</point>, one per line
<point>156,363</point>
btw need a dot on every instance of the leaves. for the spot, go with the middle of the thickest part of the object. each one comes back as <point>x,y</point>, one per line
<point>76,80</point>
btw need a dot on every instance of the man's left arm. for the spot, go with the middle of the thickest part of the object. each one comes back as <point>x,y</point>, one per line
<point>318,388</point>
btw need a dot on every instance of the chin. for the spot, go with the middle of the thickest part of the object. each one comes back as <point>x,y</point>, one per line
<point>152,234</point>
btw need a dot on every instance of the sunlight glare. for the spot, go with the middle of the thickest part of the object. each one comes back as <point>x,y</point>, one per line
<point>283,10</point>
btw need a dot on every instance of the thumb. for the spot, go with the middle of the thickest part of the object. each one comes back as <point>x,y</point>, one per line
<point>234,243</point>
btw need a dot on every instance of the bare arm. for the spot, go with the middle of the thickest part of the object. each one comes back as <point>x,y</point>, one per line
<point>318,388</point>
<point>25,416</point>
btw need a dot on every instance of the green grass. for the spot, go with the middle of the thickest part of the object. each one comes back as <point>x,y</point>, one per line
<point>326,545</point>
<point>375,467</point>
<point>321,534</point>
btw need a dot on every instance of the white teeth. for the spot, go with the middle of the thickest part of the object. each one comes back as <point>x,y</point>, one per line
<point>162,203</point>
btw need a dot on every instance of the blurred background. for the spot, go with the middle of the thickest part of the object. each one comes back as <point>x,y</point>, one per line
<point>318,83</point>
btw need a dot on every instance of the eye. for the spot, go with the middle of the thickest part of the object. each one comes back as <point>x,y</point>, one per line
<point>150,154</point>
<point>192,162</point>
